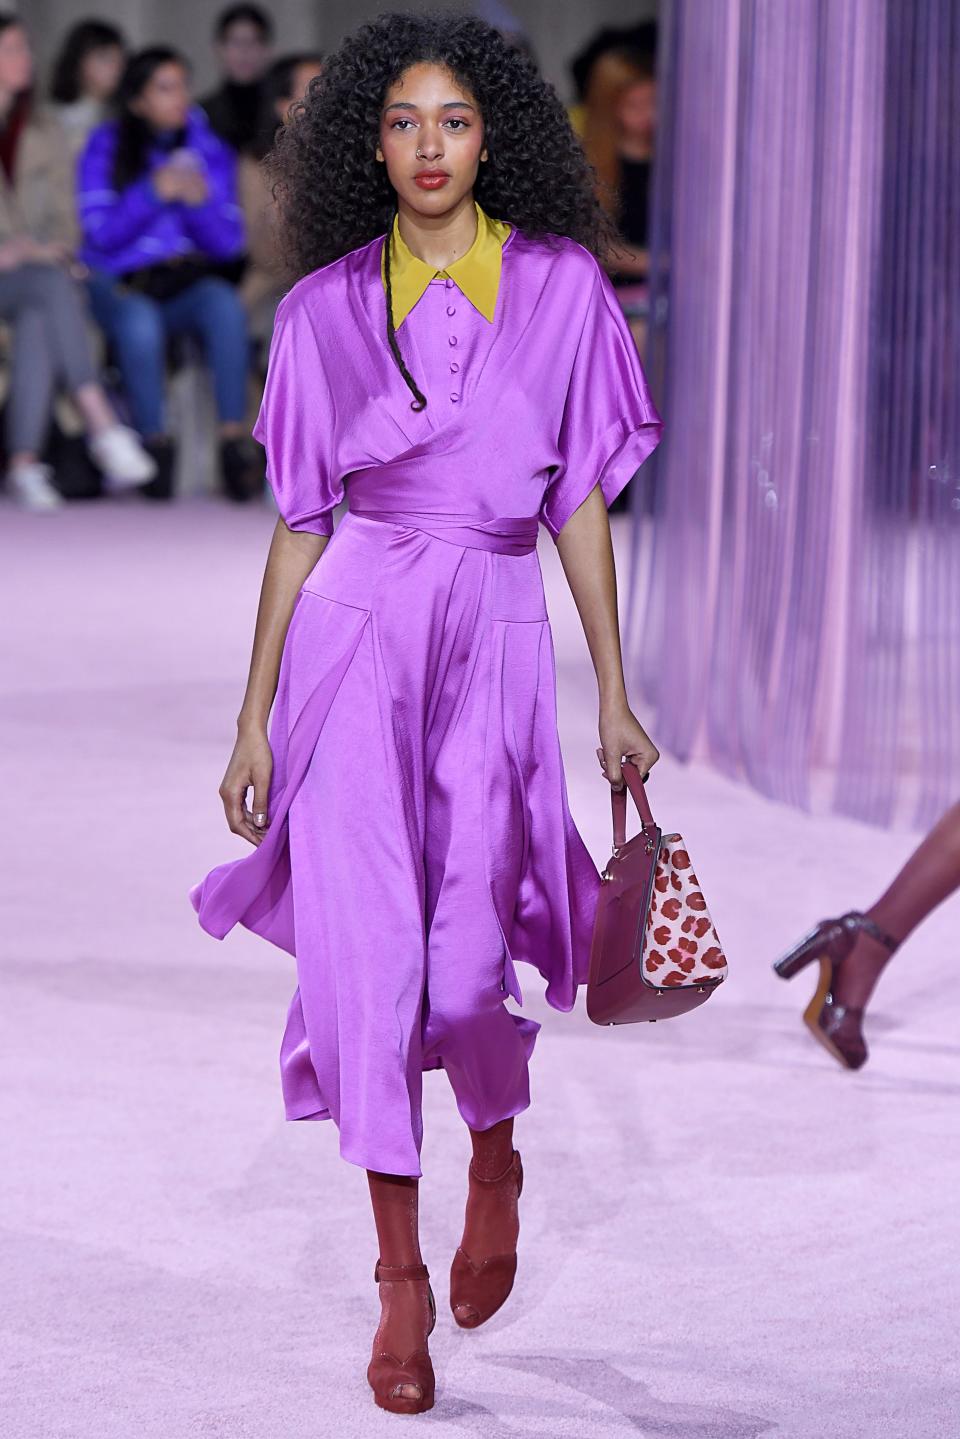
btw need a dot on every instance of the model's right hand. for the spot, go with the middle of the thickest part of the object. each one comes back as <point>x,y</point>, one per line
<point>251,765</point>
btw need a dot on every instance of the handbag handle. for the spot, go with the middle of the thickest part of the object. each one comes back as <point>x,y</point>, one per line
<point>618,801</point>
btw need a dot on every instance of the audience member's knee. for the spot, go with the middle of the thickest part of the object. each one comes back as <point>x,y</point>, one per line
<point>222,306</point>
<point>140,328</point>
<point>42,284</point>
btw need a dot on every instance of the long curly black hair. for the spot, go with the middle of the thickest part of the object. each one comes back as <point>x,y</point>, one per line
<point>332,194</point>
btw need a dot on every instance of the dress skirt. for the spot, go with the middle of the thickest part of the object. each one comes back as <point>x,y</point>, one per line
<point>420,842</point>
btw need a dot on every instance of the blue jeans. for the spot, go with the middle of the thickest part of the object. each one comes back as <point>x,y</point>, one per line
<point>138,327</point>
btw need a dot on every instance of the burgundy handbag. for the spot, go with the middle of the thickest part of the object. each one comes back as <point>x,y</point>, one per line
<point>655,951</point>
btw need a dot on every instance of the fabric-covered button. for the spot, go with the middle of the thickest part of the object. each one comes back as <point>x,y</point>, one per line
<point>453,339</point>
<point>454,395</point>
<point>454,367</point>
<point>449,283</point>
<point>451,309</point>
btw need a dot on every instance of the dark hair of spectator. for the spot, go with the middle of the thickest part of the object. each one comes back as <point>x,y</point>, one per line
<point>135,136</point>
<point>642,61</point>
<point>81,40</point>
<point>640,40</point>
<point>250,14</point>
<point>276,85</point>
<point>536,177</point>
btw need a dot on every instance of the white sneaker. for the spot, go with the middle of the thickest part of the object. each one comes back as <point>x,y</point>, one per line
<point>119,453</point>
<point>31,485</point>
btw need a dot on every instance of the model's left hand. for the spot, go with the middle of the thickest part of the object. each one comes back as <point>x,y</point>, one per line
<point>623,736</point>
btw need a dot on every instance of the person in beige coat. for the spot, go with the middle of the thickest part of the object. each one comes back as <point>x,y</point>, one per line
<point>42,306</point>
<point>264,282</point>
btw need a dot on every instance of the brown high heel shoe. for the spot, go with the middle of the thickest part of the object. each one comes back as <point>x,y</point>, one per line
<point>387,1375</point>
<point>838,1027</point>
<point>478,1290</point>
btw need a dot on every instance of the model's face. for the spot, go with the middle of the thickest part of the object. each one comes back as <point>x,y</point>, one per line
<point>429,112</point>
<point>16,60</point>
<point>100,71</point>
<point>244,54</point>
<point>165,99</point>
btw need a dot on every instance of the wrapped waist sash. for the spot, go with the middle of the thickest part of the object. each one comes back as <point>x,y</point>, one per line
<point>514,535</point>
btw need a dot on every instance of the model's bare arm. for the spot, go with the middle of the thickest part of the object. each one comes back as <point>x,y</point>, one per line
<point>292,555</point>
<point>586,553</point>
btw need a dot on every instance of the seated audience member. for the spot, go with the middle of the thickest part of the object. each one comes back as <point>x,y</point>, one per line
<point>616,120</point>
<point>242,35</point>
<point>263,281</point>
<point>635,118</point>
<point>86,73</point>
<point>41,302</point>
<point>157,198</point>
<point>639,39</point>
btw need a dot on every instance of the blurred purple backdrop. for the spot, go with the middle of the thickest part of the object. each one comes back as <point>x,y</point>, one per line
<point>799,595</point>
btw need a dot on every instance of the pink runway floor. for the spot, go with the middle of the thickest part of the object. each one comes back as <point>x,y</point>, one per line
<point>734,1239</point>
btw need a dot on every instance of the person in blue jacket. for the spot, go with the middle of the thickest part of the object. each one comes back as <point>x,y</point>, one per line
<point>163,237</point>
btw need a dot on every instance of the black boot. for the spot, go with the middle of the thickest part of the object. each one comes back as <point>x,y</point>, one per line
<point>241,468</point>
<point>164,451</point>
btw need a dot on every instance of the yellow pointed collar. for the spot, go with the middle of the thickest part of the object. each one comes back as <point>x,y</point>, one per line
<point>477,273</point>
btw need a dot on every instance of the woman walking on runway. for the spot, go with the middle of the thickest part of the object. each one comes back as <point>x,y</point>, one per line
<point>454,362</point>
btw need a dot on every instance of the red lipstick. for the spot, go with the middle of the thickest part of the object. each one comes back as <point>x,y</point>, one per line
<point>431,179</point>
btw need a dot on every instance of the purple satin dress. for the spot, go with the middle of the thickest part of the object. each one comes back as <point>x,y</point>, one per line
<point>420,842</point>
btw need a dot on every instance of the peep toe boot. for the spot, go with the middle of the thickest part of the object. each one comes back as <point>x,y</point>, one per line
<point>478,1288</point>
<point>389,1375</point>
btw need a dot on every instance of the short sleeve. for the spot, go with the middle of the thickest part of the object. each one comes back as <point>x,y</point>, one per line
<point>608,424</point>
<point>295,423</point>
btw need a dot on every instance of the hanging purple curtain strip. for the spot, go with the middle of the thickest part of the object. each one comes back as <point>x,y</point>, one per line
<point>795,615</point>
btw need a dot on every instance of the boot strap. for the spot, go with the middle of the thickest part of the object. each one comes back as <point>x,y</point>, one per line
<point>856,920</point>
<point>389,1272</point>
<point>512,1168</point>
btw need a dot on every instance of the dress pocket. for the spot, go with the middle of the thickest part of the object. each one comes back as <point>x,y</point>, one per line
<point>516,591</point>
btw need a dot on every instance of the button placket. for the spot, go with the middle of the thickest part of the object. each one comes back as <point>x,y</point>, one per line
<point>453,340</point>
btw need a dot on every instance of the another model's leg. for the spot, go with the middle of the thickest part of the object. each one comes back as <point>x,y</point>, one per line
<point>930,875</point>
<point>406,1317</point>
